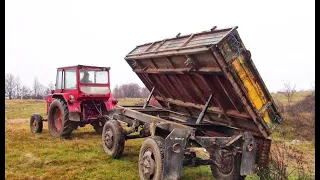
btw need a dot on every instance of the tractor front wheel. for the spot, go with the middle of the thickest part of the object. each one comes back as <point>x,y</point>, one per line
<point>113,138</point>
<point>58,119</point>
<point>36,123</point>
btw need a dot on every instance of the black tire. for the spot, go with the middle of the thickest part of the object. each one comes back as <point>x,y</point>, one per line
<point>233,172</point>
<point>58,120</point>
<point>113,138</point>
<point>99,124</point>
<point>151,158</point>
<point>36,123</point>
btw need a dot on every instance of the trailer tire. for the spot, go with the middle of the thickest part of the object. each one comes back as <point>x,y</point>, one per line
<point>58,120</point>
<point>113,138</point>
<point>232,174</point>
<point>151,158</point>
<point>36,123</point>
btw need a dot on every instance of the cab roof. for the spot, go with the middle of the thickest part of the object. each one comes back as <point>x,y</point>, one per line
<point>80,66</point>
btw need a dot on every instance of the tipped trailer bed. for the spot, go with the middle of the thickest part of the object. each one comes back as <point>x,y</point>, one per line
<point>211,96</point>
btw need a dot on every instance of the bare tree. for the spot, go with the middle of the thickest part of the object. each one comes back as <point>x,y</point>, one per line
<point>42,92</point>
<point>10,84</point>
<point>289,91</point>
<point>130,90</point>
<point>116,92</point>
<point>49,88</point>
<point>145,92</point>
<point>25,92</point>
<point>36,87</point>
<point>18,87</point>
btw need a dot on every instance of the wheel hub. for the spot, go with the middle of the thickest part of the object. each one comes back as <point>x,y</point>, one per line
<point>58,119</point>
<point>34,123</point>
<point>148,164</point>
<point>108,138</point>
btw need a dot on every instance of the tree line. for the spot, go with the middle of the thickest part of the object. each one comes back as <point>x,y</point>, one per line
<point>130,90</point>
<point>14,89</point>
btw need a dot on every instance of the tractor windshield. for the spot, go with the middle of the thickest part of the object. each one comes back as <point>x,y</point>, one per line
<point>94,77</point>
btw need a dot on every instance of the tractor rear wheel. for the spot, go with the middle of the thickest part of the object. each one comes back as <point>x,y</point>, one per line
<point>36,123</point>
<point>58,119</point>
<point>113,138</point>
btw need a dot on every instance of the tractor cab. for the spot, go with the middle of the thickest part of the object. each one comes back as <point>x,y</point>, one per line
<point>83,81</point>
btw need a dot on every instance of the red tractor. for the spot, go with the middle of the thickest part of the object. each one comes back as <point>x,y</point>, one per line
<point>82,96</point>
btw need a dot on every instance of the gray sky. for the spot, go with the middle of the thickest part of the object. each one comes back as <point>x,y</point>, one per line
<point>43,35</point>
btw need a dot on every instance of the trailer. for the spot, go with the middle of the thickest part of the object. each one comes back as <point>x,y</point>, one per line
<point>211,96</point>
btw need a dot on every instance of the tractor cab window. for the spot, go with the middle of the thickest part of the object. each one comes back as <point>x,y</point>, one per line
<point>59,81</point>
<point>93,77</point>
<point>70,79</point>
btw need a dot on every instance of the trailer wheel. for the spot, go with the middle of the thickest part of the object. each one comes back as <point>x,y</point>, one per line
<point>58,120</point>
<point>36,123</point>
<point>151,158</point>
<point>228,169</point>
<point>113,138</point>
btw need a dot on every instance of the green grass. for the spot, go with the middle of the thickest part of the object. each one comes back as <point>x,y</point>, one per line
<point>82,157</point>
<point>41,156</point>
<point>22,109</point>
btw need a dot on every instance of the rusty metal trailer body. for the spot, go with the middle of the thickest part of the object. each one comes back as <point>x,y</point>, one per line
<point>211,95</point>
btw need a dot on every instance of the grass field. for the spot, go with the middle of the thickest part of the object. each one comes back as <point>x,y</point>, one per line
<point>40,156</point>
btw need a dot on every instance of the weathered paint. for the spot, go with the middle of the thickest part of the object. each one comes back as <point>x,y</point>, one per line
<point>254,91</point>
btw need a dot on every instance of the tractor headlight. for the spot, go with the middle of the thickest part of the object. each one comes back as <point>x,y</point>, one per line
<point>71,99</point>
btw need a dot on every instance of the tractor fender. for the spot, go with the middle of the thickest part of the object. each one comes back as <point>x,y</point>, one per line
<point>51,97</point>
<point>72,107</point>
<point>65,96</point>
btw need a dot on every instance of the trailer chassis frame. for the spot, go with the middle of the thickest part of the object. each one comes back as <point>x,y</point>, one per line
<point>180,130</point>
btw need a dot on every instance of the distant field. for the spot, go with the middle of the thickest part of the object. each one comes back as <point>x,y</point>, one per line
<point>22,109</point>
<point>40,156</point>
<point>298,96</point>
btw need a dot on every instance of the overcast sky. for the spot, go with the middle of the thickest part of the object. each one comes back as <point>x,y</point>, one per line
<point>43,35</point>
